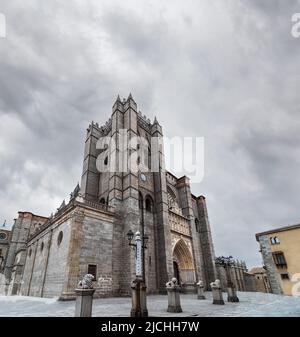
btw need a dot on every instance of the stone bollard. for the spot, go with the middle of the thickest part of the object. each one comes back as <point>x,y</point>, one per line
<point>217,292</point>
<point>173,296</point>
<point>200,290</point>
<point>84,297</point>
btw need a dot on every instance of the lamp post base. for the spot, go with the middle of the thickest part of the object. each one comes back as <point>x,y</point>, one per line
<point>139,299</point>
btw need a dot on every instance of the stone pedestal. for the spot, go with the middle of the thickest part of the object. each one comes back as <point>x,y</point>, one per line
<point>139,299</point>
<point>84,302</point>
<point>217,292</point>
<point>174,300</point>
<point>231,295</point>
<point>173,296</point>
<point>200,287</point>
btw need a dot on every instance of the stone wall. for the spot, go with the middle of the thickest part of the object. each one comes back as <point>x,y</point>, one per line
<point>59,256</point>
<point>273,276</point>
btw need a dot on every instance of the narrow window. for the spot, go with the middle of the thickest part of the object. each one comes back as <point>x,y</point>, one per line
<point>140,201</point>
<point>59,238</point>
<point>149,204</point>
<point>279,259</point>
<point>285,276</point>
<point>92,269</point>
<point>197,225</point>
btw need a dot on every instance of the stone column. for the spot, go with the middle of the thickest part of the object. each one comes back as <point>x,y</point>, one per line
<point>231,289</point>
<point>84,297</point>
<point>217,292</point>
<point>173,296</point>
<point>200,286</point>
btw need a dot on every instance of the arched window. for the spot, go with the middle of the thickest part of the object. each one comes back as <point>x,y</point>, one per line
<point>149,158</point>
<point>42,246</point>
<point>141,201</point>
<point>106,161</point>
<point>197,225</point>
<point>149,204</point>
<point>59,238</point>
<point>274,240</point>
<point>102,201</point>
<point>172,200</point>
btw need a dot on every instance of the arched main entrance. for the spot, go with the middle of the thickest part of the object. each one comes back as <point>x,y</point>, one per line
<point>183,264</point>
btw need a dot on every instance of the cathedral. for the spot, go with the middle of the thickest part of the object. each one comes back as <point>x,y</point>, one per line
<point>88,233</point>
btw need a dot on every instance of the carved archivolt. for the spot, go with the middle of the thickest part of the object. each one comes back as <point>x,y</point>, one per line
<point>183,255</point>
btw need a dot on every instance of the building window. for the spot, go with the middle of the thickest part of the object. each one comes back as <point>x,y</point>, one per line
<point>60,237</point>
<point>285,276</point>
<point>197,225</point>
<point>3,236</point>
<point>149,158</point>
<point>92,269</point>
<point>149,204</point>
<point>140,201</point>
<point>102,201</point>
<point>274,240</point>
<point>42,246</point>
<point>106,161</point>
<point>30,252</point>
<point>279,259</point>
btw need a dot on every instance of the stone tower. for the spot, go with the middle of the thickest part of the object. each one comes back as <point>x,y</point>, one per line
<point>141,198</point>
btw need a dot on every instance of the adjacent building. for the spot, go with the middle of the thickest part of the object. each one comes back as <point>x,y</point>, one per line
<point>280,249</point>
<point>261,279</point>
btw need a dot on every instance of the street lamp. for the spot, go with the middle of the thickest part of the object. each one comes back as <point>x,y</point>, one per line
<point>227,263</point>
<point>139,306</point>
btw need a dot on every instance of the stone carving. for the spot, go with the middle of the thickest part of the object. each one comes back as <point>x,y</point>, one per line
<point>86,282</point>
<point>172,284</point>
<point>200,284</point>
<point>216,284</point>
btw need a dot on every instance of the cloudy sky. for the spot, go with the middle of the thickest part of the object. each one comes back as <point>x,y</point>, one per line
<point>227,71</point>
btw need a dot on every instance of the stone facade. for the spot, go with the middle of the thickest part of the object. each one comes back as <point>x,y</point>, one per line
<point>4,245</point>
<point>88,234</point>
<point>238,273</point>
<point>266,252</point>
<point>261,280</point>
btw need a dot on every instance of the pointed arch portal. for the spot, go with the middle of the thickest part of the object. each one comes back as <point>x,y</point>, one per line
<point>183,260</point>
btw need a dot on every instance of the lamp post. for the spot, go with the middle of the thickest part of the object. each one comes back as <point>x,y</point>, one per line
<point>139,306</point>
<point>227,262</point>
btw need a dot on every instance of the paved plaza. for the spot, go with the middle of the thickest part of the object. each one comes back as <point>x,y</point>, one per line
<point>250,305</point>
